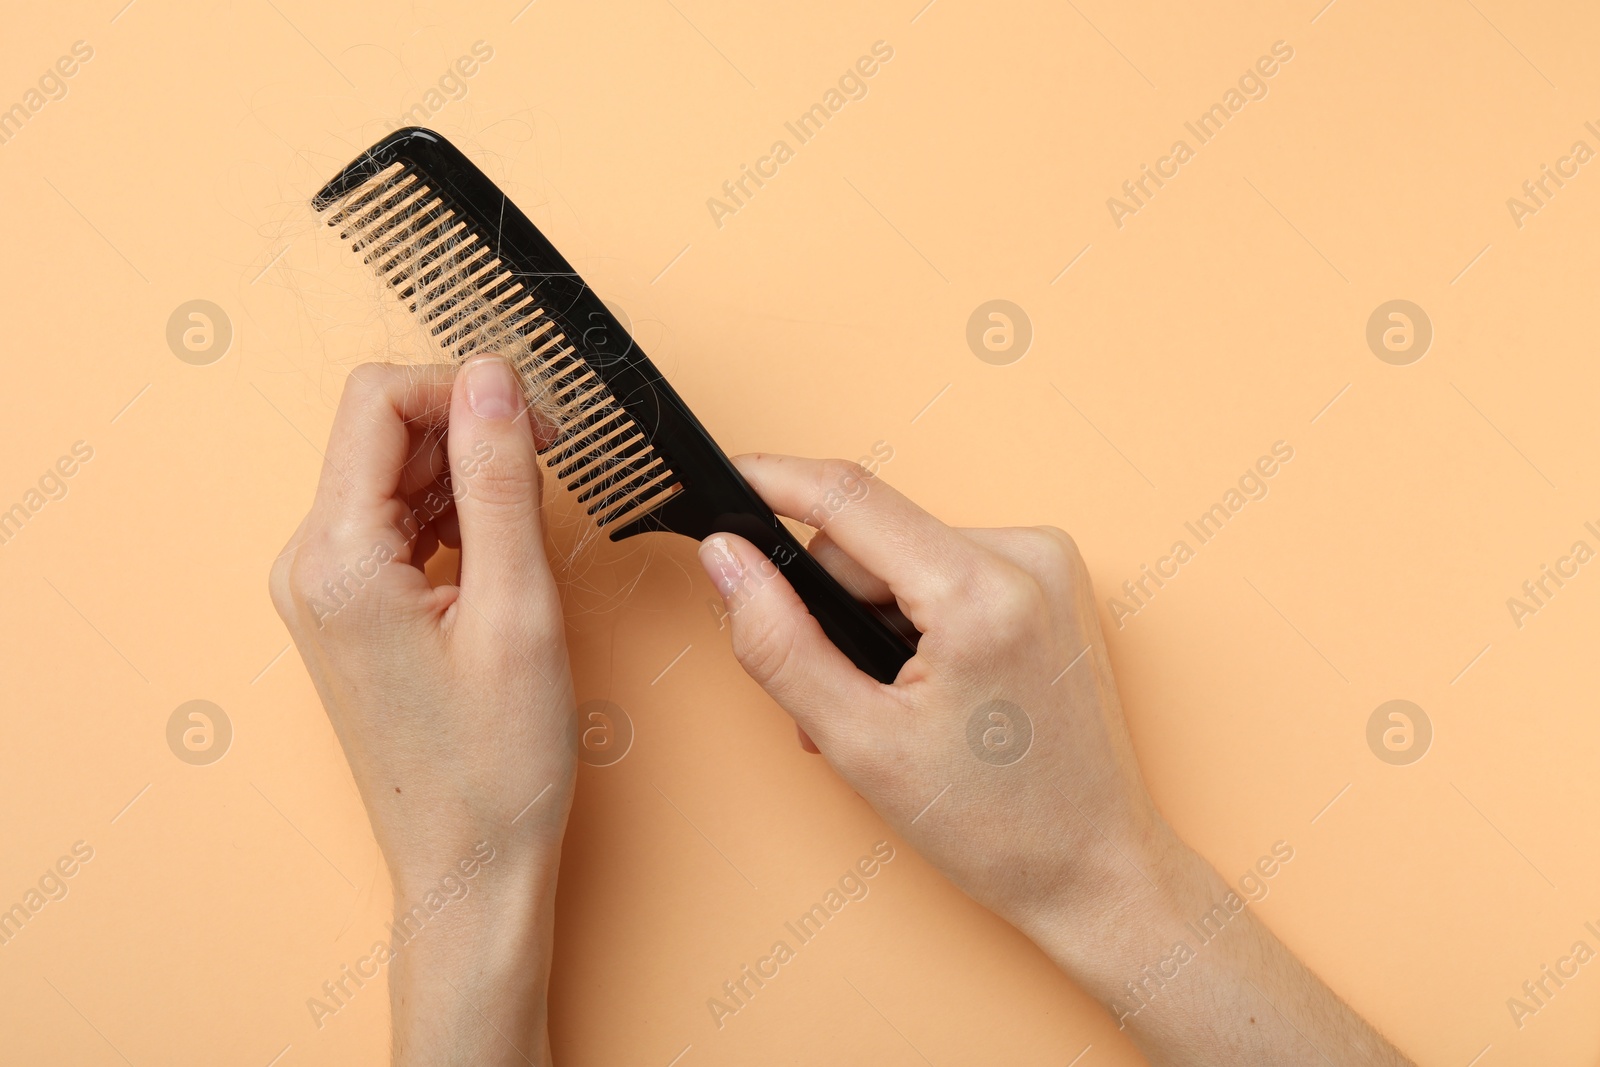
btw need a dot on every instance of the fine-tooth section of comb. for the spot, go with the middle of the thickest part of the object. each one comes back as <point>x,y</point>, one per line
<point>480,277</point>
<point>468,298</point>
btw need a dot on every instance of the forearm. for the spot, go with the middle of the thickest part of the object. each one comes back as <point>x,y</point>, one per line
<point>1194,981</point>
<point>468,984</point>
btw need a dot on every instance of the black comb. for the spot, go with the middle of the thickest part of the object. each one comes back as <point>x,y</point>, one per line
<point>461,255</point>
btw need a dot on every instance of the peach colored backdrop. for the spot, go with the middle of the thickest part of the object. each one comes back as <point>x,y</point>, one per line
<point>1176,337</point>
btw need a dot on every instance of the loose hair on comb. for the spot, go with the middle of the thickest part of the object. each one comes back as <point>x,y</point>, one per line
<point>447,270</point>
<point>436,265</point>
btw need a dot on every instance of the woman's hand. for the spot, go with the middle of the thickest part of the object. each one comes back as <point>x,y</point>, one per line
<point>1001,754</point>
<point>1004,722</point>
<point>454,703</point>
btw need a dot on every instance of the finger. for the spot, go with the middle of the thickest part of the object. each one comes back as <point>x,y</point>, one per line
<point>429,460</point>
<point>806,744</point>
<point>780,645</point>
<point>496,477</point>
<point>1046,553</point>
<point>422,512</point>
<point>921,559</point>
<point>370,443</point>
<point>425,484</point>
<point>862,583</point>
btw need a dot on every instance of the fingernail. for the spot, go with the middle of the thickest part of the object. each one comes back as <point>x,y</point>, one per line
<point>493,391</point>
<point>722,566</point>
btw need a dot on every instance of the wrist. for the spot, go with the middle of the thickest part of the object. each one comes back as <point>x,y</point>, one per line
<point>1126,914</point>
<point>472,963</point>
<point>444,831</point>
<point>443,876</point>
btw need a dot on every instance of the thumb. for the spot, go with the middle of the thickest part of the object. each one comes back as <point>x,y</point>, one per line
<point>495,476</point>
<point>784,649</point>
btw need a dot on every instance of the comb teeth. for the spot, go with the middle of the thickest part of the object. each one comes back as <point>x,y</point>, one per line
<point>449,274</point>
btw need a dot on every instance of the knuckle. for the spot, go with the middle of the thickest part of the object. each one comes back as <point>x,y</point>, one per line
<point>325,587</point>
<point>366,386</point>
<point>303,580</point>
<point>278,586</point>
<point>1010,606</point>
<point>1060,540</point>
<point>1053,555</point>
<point>839,482</point>
<point>835,471</point>
<point>1017,600</point>
<point>370,378</point>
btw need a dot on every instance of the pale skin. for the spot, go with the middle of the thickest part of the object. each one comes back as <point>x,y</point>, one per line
<point>455,709</point>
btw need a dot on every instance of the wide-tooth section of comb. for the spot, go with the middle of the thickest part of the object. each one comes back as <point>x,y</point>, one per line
<point>412,235</point>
